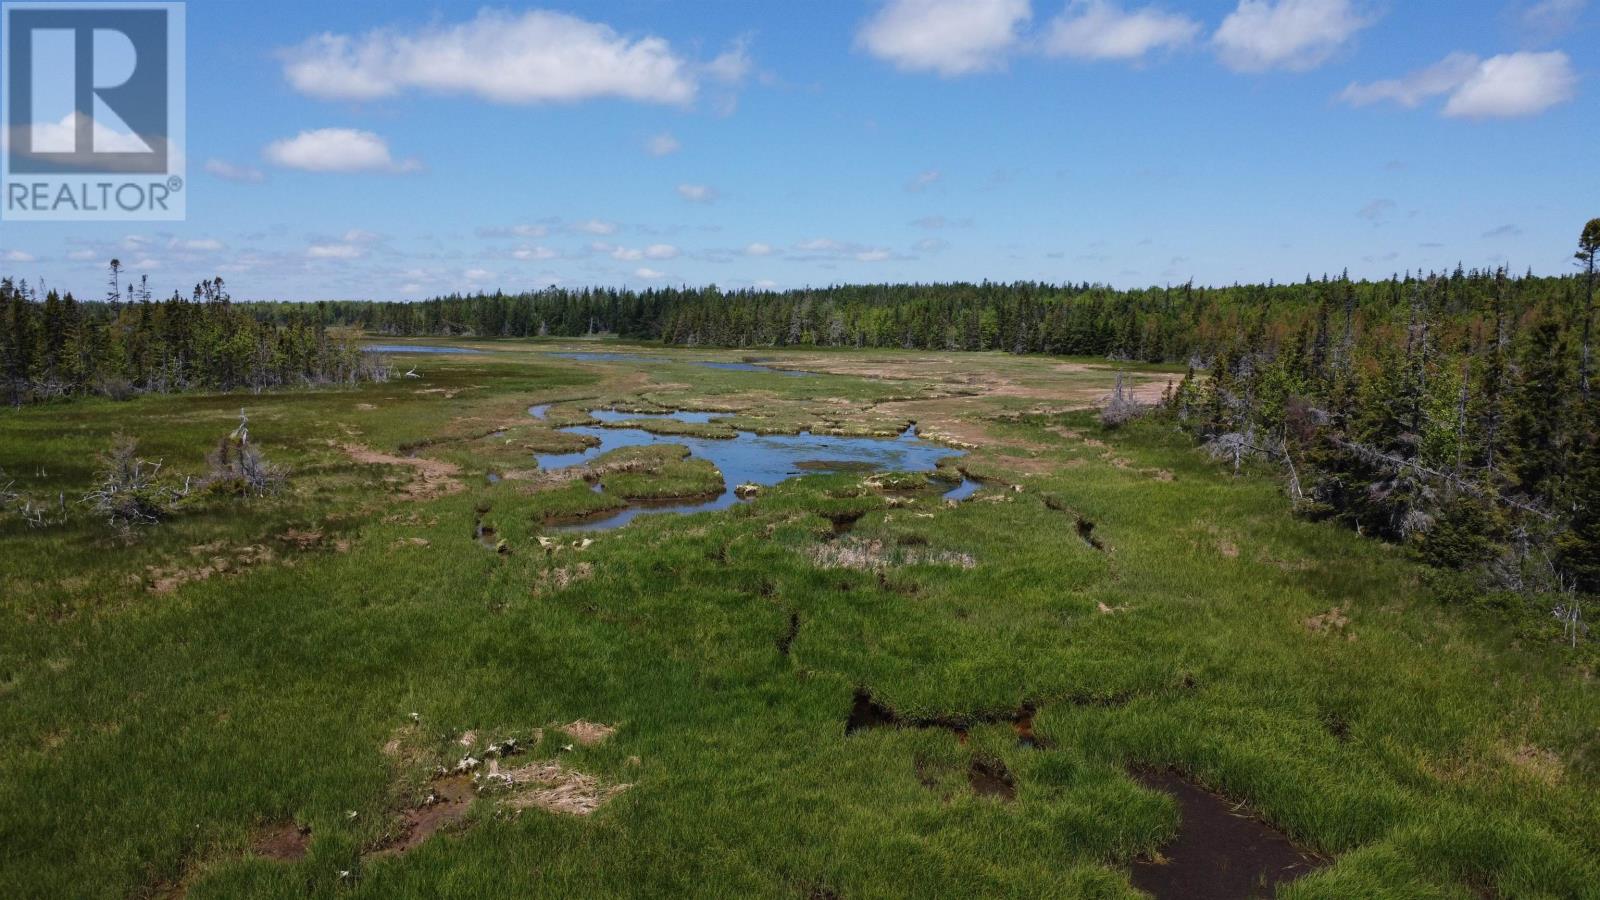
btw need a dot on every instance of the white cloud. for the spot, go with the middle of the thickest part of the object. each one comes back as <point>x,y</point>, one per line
<point>1514,84</point>
<point>758,249</point>
<point>950,37</point>
<point>621,254</point>
<point>533,253</point>
<point>82,255</point>
<point>649,273</point>
<point>537,56</point>
<point>1100,30</point>
<point>229,172</point>
<point>1505,86</point>
<point>19,256</point>
<point>765,284</point>
<point>1287,34</point>
<point>660,251</point>
<point>663,144</point>
<point>931,245</point>
<point>874,255</point>
<point>478,275</point>
<point>198,245</point>
<point>1440,78</point>
<point>595,226</point>
<point>337,150</point>
<point>334,251</point>
<point>697,193</point>
<point>923,180</point>
<point>1547,20</point>
<point>733,64</point>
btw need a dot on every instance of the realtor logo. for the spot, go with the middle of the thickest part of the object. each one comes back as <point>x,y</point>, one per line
<point>94,118</point>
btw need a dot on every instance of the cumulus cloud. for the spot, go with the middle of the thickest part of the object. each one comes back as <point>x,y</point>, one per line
<point>19,256</point>
<point>527,254</point>
<point>950,37</point>
<point>536,56</point>
<point>337,150</point>
<point>663,144</point>
<point>229,172</point>
<point>1102,30</point>
<point>697,193</point>
<point>1287,34</point>
<point>648,273</point>
<point>1505,86</point>
<point>1514,84</point>
<point>758,249</point>
<point>595,226</point>
<point>660,251</point>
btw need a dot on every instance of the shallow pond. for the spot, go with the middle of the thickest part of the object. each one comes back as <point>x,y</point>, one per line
<point>747,458</point>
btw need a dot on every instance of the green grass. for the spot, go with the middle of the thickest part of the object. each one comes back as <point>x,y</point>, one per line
<point>1430,752</point>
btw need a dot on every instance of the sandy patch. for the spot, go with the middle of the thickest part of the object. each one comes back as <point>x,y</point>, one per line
<point>588,733</point>
<point>434,477</point>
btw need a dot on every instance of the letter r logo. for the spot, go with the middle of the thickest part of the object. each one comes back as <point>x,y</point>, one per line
<point>87,89</point>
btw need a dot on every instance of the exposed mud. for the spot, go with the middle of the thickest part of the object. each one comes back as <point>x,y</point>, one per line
<point>1221,851</point>
<point>867,713</point>
<point>448,800</point>
<point>989,777</point>
<point>284,842</point>
<point>845,522</point>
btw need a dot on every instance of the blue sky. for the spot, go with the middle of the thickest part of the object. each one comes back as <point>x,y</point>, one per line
<point>404,149</point>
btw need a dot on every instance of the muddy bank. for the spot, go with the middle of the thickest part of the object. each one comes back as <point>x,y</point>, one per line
<point>1221,851</point>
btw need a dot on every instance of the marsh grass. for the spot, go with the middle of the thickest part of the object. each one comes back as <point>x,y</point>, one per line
<point>145,737</point>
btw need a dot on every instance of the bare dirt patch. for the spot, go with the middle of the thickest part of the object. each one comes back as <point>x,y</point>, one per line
<point>449,798</point>
<point>1221,851</point>
<point>433,477</point>
<point>284,842</point>
<point>562,577</point>
<point>1332,622</point>
<point>989,777</point>
<point>166,579</point>
<point>876,556</point>
<point>587,733</point>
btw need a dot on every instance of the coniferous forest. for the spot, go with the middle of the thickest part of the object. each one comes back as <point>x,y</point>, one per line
<point>54,347</point>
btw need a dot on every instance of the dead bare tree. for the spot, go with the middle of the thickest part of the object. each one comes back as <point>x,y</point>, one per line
<point>237,467</point>
<point>1121,407</point>
<point>129,492</point>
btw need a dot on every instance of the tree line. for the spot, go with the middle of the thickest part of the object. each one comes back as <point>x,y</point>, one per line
<point>54,346</point>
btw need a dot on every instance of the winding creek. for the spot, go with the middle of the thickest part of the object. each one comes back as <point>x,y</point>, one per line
<point>745,458</point>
